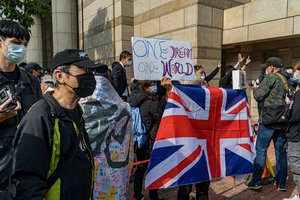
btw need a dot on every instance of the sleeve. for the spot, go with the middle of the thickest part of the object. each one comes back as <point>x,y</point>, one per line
<point>117,72</point>
<point>264,88</point>
<point>212,74</point>
<point>38,89</point>
<point>31,159</point>
<point>295,116</point>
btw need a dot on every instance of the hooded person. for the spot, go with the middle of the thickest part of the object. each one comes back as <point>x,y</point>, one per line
<point>108,122</point>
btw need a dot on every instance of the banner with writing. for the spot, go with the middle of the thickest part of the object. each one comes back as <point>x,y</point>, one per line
<point>156,58</point>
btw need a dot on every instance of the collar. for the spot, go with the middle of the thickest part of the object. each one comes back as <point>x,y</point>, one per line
<point>121,64</point>
<point>24,77</point>
<point>56,108</point>
<point>4,80</point>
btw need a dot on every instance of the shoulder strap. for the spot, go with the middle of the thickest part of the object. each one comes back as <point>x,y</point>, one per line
<point>63,164</point>
<point>283,81</point>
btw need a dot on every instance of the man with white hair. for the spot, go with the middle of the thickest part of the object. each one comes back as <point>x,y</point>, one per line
<point>53,157</point>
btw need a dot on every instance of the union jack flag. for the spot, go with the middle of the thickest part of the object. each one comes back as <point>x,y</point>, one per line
<point>205,133</point>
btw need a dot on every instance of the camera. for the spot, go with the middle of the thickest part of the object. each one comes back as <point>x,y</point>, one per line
<point>5,94</point>
<point>294,84</point>
<point>256,81</point>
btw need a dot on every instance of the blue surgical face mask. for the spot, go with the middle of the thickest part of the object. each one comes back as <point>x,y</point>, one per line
<point>129,62</point>
<point>153,89</point>
<point>15,53</point>
<point>295,77</point>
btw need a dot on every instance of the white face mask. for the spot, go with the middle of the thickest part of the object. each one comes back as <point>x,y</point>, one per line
<point>200,77</point>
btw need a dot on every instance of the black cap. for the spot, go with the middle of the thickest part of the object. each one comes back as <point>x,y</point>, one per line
<point>263,65</point>
<point>33,66</point>
<point>75,57</point>
<point>275,62</point>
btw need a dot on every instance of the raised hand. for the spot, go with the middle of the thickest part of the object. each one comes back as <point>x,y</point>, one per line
<point>247,60</point>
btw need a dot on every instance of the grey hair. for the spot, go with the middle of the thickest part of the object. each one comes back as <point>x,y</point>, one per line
<point>64,68</point>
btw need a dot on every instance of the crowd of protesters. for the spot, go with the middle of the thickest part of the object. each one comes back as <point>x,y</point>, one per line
<point>42,124</point>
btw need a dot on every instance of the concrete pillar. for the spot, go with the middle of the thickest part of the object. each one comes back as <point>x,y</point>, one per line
<point>64,19</point>
<point>34,49</point>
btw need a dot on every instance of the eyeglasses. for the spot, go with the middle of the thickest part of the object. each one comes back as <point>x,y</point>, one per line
<point>86,70</point>
<point>66,69</point>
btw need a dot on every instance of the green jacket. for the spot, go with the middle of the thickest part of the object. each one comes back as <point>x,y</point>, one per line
<point>44,138</point>
<point>270,91</point>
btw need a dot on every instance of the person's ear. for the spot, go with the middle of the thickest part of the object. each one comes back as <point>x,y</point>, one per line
<point>59,76</point>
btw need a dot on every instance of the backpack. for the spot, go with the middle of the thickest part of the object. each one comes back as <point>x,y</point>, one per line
<point>277,116</point>
<point>139,129</point>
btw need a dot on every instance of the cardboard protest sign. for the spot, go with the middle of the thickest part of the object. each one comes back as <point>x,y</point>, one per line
<point>156,58</point>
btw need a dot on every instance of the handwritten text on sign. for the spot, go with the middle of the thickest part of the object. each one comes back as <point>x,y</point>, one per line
<point>156,58</point>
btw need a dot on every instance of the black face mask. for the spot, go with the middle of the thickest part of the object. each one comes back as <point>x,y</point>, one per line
<point>86,84</point>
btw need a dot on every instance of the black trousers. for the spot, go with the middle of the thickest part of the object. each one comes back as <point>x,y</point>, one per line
<point>201,191</point>
<point>142,154</point>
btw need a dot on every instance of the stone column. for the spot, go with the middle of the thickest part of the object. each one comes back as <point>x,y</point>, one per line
<point>34,49</point>
<point>64,19</point>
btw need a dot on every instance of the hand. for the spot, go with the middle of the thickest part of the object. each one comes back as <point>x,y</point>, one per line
<point>240,59</point>
<point>287,100</point>
<point>43,87</point>
<point>5,114</point>
<point>248,61</point>
<point>132,80</point>
<point>219,65</point>
<point>255,84</point>
<point>166,83</point>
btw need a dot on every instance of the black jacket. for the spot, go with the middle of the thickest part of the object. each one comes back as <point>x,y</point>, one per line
<point>34,153</point>
<point>119,78</point>
<point>150,110</point>
<point>293,131</point>
<point>226,81</point>
<point>29,92</point>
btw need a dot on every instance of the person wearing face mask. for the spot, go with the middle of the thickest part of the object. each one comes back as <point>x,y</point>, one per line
<point>119,74</point>
<point>293,134</point>
<point>296,74</point>
<point>143,96</point>
<point>53,157</point>
<point>35,69</point>
<point>271,91</point>
<point>200,76</point>
<point>25,90</point>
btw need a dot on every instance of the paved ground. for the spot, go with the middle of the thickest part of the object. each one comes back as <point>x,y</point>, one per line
<point>227,188</point>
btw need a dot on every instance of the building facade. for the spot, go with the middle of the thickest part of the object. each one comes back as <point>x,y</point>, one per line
<point>216,29</point>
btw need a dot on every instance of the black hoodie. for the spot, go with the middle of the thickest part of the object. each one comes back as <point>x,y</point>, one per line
<point>150,110</point>
<point>34,151</point>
